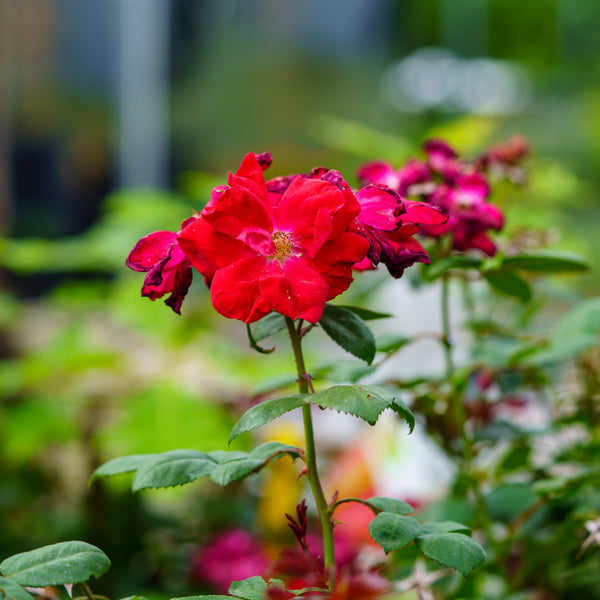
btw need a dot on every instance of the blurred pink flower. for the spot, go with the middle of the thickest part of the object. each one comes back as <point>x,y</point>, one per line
<point>230,556</point>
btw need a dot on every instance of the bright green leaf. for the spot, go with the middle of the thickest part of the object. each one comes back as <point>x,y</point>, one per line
<point>173,468</point>
<point>547,261</point>
<point>444,527</point>
<point>364,402</point>
<point>391,505</point>
<point>122,464</point>
<point>364,313</point>
<point>9,590</point>
<point>253,588</point>
<point>349,331</point>
<point>268,325</point>
<point>453,550</point>
<point>265,412</point>
<point>392,531</point>
<point>238,465</point>
<point>441,266</point>
<point>66,562</point>
<point>509,283</point>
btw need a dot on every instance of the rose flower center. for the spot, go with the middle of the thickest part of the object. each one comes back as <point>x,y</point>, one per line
<point>284,245</point>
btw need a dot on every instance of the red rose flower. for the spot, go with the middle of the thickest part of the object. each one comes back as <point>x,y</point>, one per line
<point>169,270</point>
<point>259,255</point>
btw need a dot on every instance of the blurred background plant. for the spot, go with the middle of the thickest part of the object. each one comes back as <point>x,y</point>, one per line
<point>115,118</point>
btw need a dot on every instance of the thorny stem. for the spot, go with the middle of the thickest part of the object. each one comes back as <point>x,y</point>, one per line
<point>311,457</point>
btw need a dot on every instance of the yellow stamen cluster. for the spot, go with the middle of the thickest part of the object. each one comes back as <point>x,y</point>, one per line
<point>284,245</point>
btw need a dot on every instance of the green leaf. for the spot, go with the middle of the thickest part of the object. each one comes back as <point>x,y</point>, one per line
<point>134,598</point>
<point>173,468</point>
<point>268,325</point>
<point>392,531</point>
<point>264,413</point>
<point>66,562</point>
<point>364,402</point>
<point>364,313</point>
<point>444,527</point>
<point>391,505</point>
<point>439,267</point>
<point>453,550</point>
<point>509,283</point>
<point>238,465</point>
<point>123,464</point>
<point>509,500</point>
<point>9,590</point>
<point>391,342</point>
<point>349,331</point>
<point>253,588</point>
<point>547,261</point>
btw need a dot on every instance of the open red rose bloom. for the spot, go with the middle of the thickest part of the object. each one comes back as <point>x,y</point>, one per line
<point>260,252</point>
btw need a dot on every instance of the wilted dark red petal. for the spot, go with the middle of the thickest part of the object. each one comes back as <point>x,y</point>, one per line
<point>172,275</point>
<point>235,291</point>
<point>294,289</point>
<point>380,207</point>
<point>401,253</point>
<point>238,208</point>
<point>150,250</point>
<point>264,159</point>
<point>209,250</point>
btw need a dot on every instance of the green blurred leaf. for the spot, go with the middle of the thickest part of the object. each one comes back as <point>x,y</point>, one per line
<point>509,500</point>
<point>453,550</point>
<point>264,413</point>
<point>547,261</point>
<point>509,283</point>
<point>122,464</point>
<point>173,468</point>
<point>444,527</point>
<point>441,266</point>
<point>58,564</point>
<point>390,342</point>
<point>342,371</point>
<point>9,590</point>
<point>391,505</point>
<point>238,465</point>
<point>253,588</point>
<point>349,331</point>
<point>364,402</point>
<point>392,531</point>
<point>359,139</point>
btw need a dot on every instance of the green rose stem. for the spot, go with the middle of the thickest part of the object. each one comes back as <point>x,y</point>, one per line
<point>446,335</point>
<point>311,457</point>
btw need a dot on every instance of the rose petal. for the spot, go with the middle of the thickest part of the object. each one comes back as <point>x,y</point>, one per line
<point>150,250</point>
<point>235,291</point>
<point>294,289</point>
